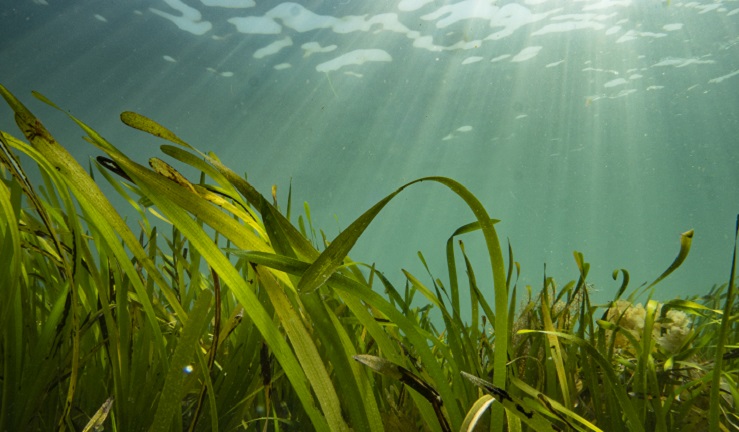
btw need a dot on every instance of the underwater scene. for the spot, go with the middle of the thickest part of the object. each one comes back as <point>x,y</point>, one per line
<point>369,215</point>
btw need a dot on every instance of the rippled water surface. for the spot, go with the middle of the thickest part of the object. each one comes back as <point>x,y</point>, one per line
<point>607,127</point>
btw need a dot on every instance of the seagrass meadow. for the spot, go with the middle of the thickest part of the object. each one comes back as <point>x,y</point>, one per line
<point>219,309</point>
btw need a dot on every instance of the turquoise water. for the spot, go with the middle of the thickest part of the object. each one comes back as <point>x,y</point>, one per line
<point>606,127</point>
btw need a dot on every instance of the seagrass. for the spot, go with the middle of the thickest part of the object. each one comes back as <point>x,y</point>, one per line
<point>217,310</point>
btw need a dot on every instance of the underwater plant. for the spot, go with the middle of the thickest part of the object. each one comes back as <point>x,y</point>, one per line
<point>221,314</point>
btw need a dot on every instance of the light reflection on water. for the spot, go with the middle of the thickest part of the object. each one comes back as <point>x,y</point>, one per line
<point>606,127</point>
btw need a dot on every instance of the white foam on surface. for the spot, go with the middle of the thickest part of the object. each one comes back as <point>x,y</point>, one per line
<point>509,17</point>
<point>472,59</point>
<point>575,17</point>
<point>232,4</point>
<point>459,26</point>
<point>622,93</point>
<point>513,17</point>
<point>292,15</point>
<point>296,17</point>
<point>255,25</point>
<point>451,135</point>
<point>411,5</point>
<point>189,19</point>
<point>314,47</point>
<point>606,4</point>
<point>615,82</point>
<point>672,27</point>
<point>526,54</point>
<point>628,36</point>
<point>300,19</point>
<point>356,57</point>
<point>652,34</point>
<point>273,48</point>
<point>462,11</point>
<point>633,35</point>
<point>724,77</point>
<point>704,8</point>
<point>681,62</point>
<point>567,27</point>
<point>592,69</point>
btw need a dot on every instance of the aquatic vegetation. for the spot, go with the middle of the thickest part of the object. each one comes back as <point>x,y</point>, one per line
<point>221,314</point>
<point>670,333</point>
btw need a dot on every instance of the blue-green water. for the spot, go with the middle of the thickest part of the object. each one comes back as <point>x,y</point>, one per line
<point>607,127</point>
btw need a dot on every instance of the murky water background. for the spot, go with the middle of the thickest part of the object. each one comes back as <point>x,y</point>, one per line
<point>607,127</point>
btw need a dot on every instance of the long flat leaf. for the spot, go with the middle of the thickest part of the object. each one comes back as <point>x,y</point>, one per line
<point>59,163</point>
<point>306,352</point>
<point>170,400</point>
<point>348,287</point>
<point>723,334</point>
<point>629,412</point>
<point>244,294</point>
<point>514,405</point>
<point>395,371</point>
<point>333,256</point>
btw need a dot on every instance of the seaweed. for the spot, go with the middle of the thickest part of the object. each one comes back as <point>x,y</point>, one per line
<point>221,314</point>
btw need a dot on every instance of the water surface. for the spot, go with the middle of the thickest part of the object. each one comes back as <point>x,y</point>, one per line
<point>606,127</point>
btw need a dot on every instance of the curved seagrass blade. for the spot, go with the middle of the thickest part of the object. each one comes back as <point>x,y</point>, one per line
<point>322,408</point>
<point>65,170</point>
<point>212,166</point>
<point>392,370</point>
<point>451,262</point>
<point>189,341</point>
<point>686,240</point>
<point>515,405</point>
<point>145,124</point>
<point>611,380</point>
<point>333,256</point>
